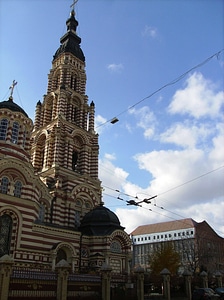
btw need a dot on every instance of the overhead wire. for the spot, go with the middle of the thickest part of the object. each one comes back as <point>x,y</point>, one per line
<point>159,194</point>
<point>174,81</point>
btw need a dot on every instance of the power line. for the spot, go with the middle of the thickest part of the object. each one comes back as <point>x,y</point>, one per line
<point>134,201</point>
<point>174,81</point>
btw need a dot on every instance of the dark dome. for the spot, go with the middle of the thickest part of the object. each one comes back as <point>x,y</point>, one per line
<point>9,104</point>
<point>70,42</point>
<point>100,221</point>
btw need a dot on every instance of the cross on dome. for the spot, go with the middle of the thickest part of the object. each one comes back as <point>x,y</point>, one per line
<point>73,4</point>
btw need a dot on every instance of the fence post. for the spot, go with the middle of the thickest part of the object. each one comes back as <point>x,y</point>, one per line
<point>218,277</point>
<point>204,277</point>
<point>106,276</point>
<point>166,282</point>
<point>63,271</point>
<point>140,282</point>
<point>187,278</point>
<point>6,263</point>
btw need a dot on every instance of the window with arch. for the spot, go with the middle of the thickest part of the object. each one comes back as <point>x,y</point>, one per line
<point>5,234</point>
<point>3,129</point>
<point>24,138</point>
<point>4,185</point>
<point>15,133</point>
<point>61,254</point>
<point>17,189</point>
<point>74,160</point>
<point>73,82</point>
<point>115,247</point>
<point>77,218</point>
<point>41,213</point>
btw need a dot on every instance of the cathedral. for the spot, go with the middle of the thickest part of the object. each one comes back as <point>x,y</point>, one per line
<point>51,206</point>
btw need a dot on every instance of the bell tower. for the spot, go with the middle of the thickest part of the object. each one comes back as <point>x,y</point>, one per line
<point>65,146</point>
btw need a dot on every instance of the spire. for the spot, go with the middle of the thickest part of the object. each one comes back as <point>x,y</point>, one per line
<point>70,41</point>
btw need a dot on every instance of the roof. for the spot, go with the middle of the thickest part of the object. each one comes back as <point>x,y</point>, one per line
<point>100,221</point>
<point>165,226</point>
<point>9,104</point>
<point>70,42</point>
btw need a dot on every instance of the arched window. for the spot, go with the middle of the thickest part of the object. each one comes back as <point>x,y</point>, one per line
<point>61,255</point>
<point>17,189</point>
<point>3,129</point>
<point>115,247</point>
<point>24,138</point>
<point>41,213</point>
<point>74,160</point>
<point>77,218</point>
<point>5,234</point>
<point>15,133</point>
<point>4,185</point>
<point>73,82</point>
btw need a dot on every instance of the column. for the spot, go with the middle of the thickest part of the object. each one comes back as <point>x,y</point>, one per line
<point>166,282</point>
<point>218,277</point>
<point>106,276</point>
<point>6,263</point>
<point>140,282</point>
<point>204,277</point>
<point>187,279</point>
<point>63,271</point>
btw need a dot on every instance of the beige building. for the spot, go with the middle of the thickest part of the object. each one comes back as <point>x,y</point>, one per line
<point>199,247</point>
<point>51,205</point>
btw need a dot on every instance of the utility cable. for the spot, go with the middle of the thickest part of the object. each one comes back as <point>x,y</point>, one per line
<point>174,81</point>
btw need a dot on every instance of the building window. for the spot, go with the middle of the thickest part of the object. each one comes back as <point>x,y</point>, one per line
<point>24,138</point>
<point>15,132</point>
<point>148,237</point>
<point>61,254</point>
<point>3,129</point>
<point>5,234</point>
<point>74,160</point>
<point>77,218</point>
<point>4,185</point>
<point>17,189</point>
<point>115,247</point>
<point>73,82</point>
<point>41,212</point>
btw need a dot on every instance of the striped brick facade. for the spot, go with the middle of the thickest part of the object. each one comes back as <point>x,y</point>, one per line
<point>49,178</point>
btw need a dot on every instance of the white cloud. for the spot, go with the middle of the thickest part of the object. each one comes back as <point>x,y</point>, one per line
<point>186,172</point>
<point>115,67</point>
<point>186,134</point>
<point>100,123</point>
<point>198,99</point>
<point>149,31</point>
<point>146,120</point>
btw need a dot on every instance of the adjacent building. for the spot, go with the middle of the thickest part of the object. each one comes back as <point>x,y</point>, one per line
<point>51,204</point>
<point>198,245</point>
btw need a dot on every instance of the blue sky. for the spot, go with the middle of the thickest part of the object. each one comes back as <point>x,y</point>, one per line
<point>169,144</point>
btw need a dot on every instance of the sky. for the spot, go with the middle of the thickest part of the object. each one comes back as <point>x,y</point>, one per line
<point>155,65</point>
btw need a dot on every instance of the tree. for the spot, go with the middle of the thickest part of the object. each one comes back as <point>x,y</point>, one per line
<point>165,257</point>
